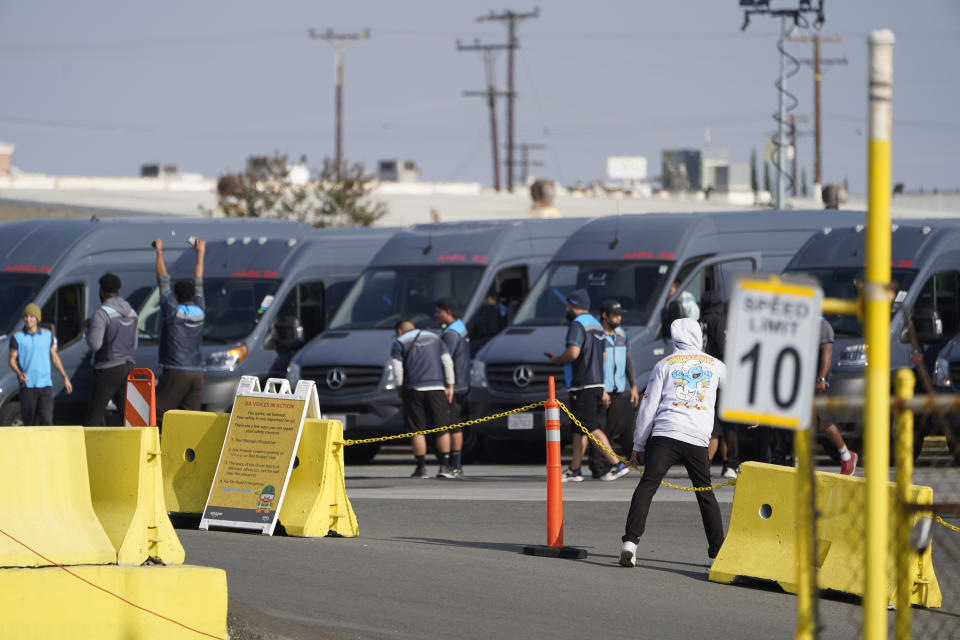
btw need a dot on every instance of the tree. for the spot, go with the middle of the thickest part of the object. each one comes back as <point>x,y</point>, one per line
<point>766,176</point>
<point>754,178</point>
<point>271,188</point>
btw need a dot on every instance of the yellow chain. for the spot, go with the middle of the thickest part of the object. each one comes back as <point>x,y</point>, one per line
<point>468,423</point>
<point>947,524</point>
<point>635,468</point>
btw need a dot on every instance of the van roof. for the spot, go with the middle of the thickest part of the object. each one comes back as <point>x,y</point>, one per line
<point>474,243</point>
<point>39,245</point>
<point>845,247</point>
<point>659,236</point>
<point>322,251</point>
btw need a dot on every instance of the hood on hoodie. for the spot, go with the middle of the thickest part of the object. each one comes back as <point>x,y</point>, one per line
<point>686,335</point>
<point>120,305</point>
<point>711,302</point>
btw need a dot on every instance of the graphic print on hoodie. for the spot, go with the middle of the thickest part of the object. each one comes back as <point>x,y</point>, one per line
<point>679,399</point>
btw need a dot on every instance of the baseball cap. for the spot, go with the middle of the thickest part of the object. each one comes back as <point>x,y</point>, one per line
<point>579,298</point>
<point>110,283</point>
<point>612,306</point>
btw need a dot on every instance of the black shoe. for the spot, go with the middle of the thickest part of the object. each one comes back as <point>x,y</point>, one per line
<point>457,472</point>
<point>446,471</point>
<point>420,472</point>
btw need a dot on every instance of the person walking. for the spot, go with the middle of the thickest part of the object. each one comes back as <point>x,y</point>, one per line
<point>112,337</point>
<point>181,336</point>
<point>424,372</point>
<point>620,393</point>
<point>674,425</point>
<point>32,352</point>
<point>825,425</point>
<point>582,362</point>
<point>457,341</point>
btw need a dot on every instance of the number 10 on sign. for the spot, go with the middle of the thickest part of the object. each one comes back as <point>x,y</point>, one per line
<point>771,352</point>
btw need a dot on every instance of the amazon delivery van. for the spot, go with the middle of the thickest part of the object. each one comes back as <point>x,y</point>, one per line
<point>486,266</point>
<point>633,259</point>
<point>58,262</point>
<point>265,298</point>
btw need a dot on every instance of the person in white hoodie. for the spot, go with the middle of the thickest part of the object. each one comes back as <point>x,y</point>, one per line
<point>674,425</point>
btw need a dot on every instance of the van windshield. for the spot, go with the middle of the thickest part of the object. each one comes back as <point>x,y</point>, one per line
<point>382,296</point>
<point>233,308</point>
<point>16,291</point>
<point>842,282</point>
<point>636,285</point>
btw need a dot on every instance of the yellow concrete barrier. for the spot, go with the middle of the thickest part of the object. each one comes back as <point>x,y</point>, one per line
<point>51,603</point>
<point>761,538</point>
<point>126,486</point>
<point>190,448</point>
<point>44,470</point>
<point>316,502</point>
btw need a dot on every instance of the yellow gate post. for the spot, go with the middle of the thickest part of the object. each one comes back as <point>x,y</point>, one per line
<point>806,536</point>
<point>903,389</point>
<point>876,415</point>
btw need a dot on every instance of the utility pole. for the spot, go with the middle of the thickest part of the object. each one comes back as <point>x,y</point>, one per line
<point>793,155</point>
<point>817,61</point>
<point>511,18</point>
<point>526,162</point>
<point>490,94</point>
<point>339,43</point>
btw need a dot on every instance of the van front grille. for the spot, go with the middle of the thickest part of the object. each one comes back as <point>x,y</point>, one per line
<point>336,380</point>
<point>523,377</point>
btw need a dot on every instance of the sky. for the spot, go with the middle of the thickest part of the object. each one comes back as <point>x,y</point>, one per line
<point>100,87</point>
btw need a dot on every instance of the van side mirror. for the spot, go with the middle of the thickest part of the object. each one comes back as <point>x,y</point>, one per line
<point>289,332</point>
<point>929,326</point>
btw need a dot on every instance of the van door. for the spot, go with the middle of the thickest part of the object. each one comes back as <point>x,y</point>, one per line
<point>711,274</point>
<point>938,302</point>
<point>301,316</point>
<point>507,290</point>
<point>65,310</point>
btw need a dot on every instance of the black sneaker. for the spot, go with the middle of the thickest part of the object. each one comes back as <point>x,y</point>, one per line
<point>446,471</point>
<point>458,471</point>
<point>420,472</point>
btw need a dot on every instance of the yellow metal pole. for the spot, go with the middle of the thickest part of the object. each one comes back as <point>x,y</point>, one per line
<point>877,333</point>
<point>903,386</point>
<point>806,538</point>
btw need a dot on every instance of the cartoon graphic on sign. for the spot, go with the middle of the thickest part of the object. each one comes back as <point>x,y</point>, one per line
<point>265,501</point>
<point>691,379</point>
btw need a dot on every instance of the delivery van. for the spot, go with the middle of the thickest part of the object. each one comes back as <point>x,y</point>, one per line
<point>57,263</point>
<point>265,298</point>
<point>486,266</point>
<point>633,259</point>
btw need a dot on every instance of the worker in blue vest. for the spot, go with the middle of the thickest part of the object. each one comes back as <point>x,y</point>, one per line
<point>582,362</point>
<point>448,316</point>
<point>32,352</point>
<point>620,392</point>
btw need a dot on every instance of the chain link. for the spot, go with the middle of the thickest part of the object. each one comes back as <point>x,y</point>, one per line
<point>467,423</point>
<point>603,447</point>
<point>947,524</point>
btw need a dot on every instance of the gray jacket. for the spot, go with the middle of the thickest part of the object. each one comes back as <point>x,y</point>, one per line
<point>112,335</point>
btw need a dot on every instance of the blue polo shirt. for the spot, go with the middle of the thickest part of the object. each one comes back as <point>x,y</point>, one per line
<point>33,356</point>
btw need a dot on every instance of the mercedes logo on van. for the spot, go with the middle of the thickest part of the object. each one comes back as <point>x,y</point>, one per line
<point>335,378</point>
<point>522,376</point>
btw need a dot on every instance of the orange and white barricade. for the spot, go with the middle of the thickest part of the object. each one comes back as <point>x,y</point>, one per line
<point>141,405</point>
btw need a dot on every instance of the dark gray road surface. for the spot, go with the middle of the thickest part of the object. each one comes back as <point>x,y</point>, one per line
<point>443,559</point>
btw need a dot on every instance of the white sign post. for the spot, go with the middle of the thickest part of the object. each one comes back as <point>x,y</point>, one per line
<point>771,352</point>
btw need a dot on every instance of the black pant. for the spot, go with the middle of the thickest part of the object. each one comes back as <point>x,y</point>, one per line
<point>661,454</point>
<point>618,425</point>
<point>587,405</point>
<point>108,383</point>
<point>179,389</point>
<point>731,435</point>
<point>36,406</point>
<point>425,409</point>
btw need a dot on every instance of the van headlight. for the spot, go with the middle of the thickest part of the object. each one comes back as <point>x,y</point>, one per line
<point>225,360</point>
<point>478,374</point>
<point>941,373</point>
<point>854,355</point>
<point>391,382</point>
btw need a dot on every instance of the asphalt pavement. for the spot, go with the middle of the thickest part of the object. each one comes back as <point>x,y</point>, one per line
<point>443,558</point>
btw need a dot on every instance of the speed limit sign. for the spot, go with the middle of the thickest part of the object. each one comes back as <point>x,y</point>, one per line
<point>771,352</point>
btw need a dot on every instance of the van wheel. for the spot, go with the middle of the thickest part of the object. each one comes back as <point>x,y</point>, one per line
<point>10,415</point>
<point>361,453</point>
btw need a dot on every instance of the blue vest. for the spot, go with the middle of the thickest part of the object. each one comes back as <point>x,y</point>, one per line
<point>33,356</point>
<point>456,338</point>
<point>615,364</point>
<point>586,371</point>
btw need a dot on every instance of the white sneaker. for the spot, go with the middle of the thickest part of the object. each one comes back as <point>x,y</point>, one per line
<point>729,472</point>
<point>616,472</point>
<point>628,554</point>
<point>569,475</point>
